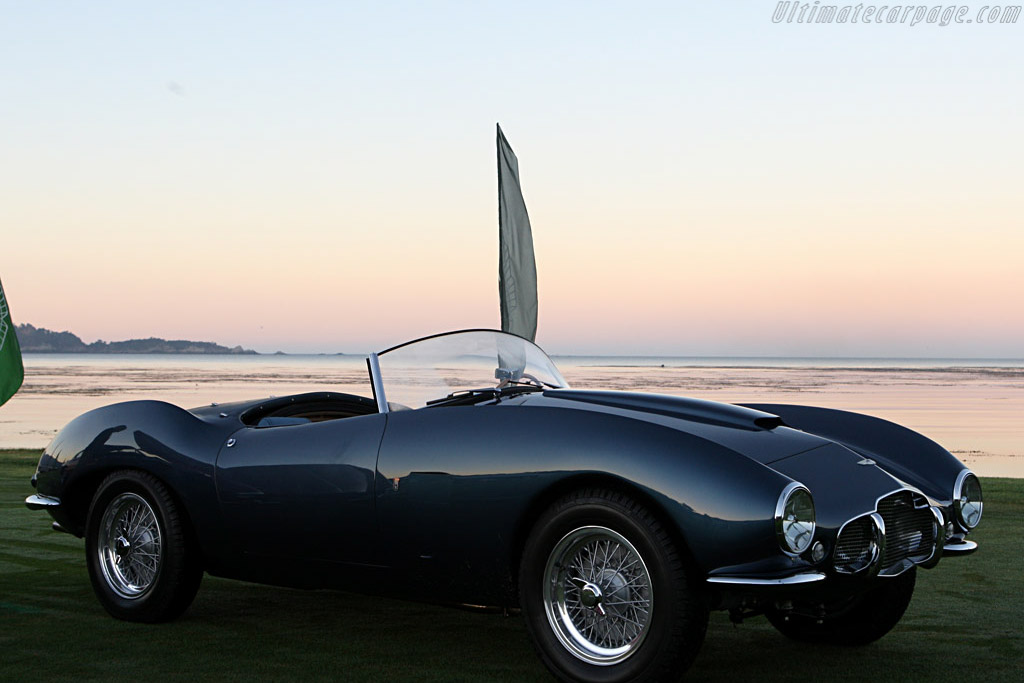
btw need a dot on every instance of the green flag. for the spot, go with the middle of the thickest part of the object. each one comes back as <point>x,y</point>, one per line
<point>12,372</point>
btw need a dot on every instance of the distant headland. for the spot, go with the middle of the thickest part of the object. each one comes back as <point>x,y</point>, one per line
<point>39,340</point>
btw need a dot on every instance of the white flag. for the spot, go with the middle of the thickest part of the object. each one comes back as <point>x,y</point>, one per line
<point>517,271</point>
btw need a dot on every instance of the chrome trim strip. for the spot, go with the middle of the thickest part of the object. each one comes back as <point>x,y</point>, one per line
<point>445,334</point>
<point>38,502</point>
<point>876,562</point>
<point>795,580</point>
<point>896,569</point>
<point>958,486</point>
<point>959,548</point>
<point>938,538</point>
<point>377,383</point>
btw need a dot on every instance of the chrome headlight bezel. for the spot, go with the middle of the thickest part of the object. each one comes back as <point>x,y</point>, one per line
<point>967,510</point>
<point>794,501</point>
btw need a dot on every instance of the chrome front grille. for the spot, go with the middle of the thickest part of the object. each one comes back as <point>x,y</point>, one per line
<point>909,529</point>
<point>910,536</point>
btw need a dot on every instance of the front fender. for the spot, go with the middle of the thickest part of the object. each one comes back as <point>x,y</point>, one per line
<point>907,455</point>
<point>464,478</point>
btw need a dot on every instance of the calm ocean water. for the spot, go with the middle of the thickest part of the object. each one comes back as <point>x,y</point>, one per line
<point>974,407</point>
<point>354,360</point>
<point>783,362</point>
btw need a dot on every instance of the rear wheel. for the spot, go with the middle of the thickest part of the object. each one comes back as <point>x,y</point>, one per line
<point>142,563</point>
<point>606,593</point>
<point>860,621</point>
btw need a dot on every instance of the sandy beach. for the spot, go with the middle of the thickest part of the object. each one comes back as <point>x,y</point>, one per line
<point>976,412</point>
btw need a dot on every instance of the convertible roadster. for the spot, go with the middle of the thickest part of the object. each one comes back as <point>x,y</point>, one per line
<point>615,521</point>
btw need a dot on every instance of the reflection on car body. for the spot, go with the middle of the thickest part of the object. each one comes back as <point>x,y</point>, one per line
<point>473,474</point>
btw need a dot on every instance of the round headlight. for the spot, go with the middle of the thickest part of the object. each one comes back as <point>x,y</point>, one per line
<point>967,500</point>
<point>794,519</point>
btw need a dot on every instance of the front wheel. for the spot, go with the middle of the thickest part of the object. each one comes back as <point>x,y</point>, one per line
<point>606,593</point>
<point>859,621</point>
<point>142,563</point>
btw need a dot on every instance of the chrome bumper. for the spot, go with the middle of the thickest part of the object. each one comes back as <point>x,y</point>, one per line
<point>959,546</point>
<point>795,580</point>
<point>37,502</point>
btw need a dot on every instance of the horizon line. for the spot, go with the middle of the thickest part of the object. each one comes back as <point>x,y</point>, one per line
<point>552,355</point>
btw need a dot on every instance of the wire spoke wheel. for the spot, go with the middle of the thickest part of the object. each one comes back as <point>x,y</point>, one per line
<point>598,595</point>
<point>144,564</point>
<point>591,567</point>
<point>129,545</point>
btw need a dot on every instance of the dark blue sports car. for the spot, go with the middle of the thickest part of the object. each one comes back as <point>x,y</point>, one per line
<point>615,521</point>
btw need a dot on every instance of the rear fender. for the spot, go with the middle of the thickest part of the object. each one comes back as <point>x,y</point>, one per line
<point>152,436</point>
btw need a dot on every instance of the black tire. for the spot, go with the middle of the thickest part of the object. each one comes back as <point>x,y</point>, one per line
<point>863,620</point>
<point>560,589</point>
<point>141,557</point>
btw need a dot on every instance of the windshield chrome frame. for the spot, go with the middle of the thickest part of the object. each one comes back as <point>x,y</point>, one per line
<point>377,383</point>
<point>452,333</point>
<point>377,380</point>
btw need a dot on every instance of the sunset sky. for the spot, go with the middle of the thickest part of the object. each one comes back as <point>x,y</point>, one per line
<point>320,176</point>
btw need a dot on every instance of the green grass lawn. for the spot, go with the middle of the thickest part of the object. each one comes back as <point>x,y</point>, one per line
<point>965,622</point>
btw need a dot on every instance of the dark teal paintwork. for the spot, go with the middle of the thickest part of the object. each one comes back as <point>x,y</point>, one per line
<point>436,503</point>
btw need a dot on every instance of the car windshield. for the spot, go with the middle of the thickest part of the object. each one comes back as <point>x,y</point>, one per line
<point>461,367</point>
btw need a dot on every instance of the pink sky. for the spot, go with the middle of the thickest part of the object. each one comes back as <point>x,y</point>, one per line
<point>701,181</point>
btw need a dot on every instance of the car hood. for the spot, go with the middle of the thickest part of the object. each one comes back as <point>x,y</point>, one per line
<point>854,483</point>
<point>844,483</point>
<point>760,436</point>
